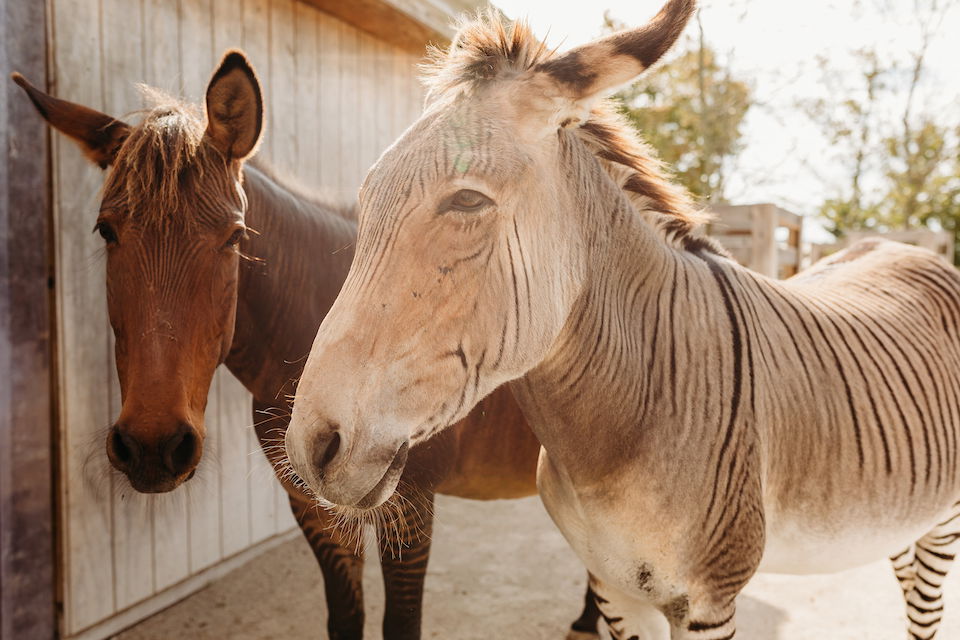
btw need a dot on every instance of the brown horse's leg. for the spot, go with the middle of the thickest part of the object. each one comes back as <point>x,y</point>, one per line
<point>585,627</point>
<point>404,552</point>
<point>342,568</point>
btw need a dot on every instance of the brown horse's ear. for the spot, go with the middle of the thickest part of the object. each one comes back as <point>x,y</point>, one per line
<point>588,72</point>
<point>234,107</point>
<point>98,135</point>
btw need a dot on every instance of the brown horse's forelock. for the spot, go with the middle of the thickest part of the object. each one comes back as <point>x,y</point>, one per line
<point>160,163</point>
<point>487,47</point>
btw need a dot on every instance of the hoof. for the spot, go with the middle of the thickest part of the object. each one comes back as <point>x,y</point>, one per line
<point>582,635</point>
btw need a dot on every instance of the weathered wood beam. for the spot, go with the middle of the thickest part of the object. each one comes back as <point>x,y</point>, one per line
<point>27,561</point>
<point>409,24</point>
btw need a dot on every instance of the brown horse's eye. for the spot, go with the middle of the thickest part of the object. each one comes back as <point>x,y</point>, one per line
<point>235,238</point>
<point>106,232</point>
<point>468,200</point>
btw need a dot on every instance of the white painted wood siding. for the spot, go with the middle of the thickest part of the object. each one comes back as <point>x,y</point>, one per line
<point>336,97</point>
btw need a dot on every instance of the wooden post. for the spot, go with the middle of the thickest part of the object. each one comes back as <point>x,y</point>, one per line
<point>764,243</point>
<point>27,561</point>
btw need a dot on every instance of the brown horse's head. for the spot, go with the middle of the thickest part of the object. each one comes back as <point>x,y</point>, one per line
<point>171,217</point>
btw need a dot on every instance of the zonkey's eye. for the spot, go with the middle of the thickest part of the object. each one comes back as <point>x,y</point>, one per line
<point>106,232</point>
<point>468,200</point>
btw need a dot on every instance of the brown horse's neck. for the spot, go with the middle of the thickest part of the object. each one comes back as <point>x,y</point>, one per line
<point>299,257</point>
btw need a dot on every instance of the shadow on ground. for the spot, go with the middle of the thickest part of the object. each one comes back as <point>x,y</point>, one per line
<point>501,570</point>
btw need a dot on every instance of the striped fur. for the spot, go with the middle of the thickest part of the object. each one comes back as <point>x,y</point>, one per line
<point>699,421</point>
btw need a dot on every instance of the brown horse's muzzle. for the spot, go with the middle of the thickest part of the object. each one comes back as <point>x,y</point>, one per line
<point>155,460</point>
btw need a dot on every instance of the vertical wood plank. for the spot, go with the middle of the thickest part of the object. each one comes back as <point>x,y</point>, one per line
<point>121,32</point>
<point>416,89</point>
<point>161,35</point>
<point>27,391</point>
<point>236,443</point>
<point>383,95</point>
<point>367,99</point>
<point>328,80</point>
<point>284,99</point>
<point>232,405</point>
<point>196,58</point>
<point>305,112</point>
<point>284,86</point>
<point>398,93</point>
<point>349,135</point>
<point>81,321</point>
<point>256,42</point>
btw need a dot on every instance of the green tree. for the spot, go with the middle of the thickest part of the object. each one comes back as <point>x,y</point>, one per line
<point>849,121</point>
<point>901,169</point>
<point>691,110</point>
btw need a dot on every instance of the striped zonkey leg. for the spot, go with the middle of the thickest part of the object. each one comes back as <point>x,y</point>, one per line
<point>342,570</point>
<point>934,557</point>
<point>585,627</point>
<point>905,568</point>
<point>404,552</point>
<point>627,617</point>
<point>712,624</point>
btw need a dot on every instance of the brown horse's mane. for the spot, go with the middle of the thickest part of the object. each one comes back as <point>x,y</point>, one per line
<point>488,47</point>
<point>165,154</point>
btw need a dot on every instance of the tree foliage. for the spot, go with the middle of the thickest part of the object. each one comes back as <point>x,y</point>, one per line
<point>900,166</point>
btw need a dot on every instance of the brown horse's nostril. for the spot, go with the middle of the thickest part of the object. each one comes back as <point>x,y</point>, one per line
<point>126,450</point>
<point>326,450</point>
<point>180,450</point>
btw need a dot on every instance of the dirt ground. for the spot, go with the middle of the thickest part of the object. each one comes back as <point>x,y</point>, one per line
<point>501,570</point>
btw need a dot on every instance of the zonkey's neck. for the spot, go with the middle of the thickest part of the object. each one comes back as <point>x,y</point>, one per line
<point>645,336</point>
<point>299,255</point>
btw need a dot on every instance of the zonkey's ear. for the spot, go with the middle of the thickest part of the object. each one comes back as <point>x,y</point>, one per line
<point>98,135</point>
<point>234,107</point>
<point>586,73</point>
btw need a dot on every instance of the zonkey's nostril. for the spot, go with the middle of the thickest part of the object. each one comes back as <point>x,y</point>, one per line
<point>326,451</point>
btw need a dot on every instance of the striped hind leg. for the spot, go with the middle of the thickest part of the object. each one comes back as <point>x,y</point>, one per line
<point>905,568</point>
<point>933,557</point>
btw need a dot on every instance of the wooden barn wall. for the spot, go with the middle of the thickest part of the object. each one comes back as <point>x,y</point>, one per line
<point>27,578</point>
<point>335,97</point>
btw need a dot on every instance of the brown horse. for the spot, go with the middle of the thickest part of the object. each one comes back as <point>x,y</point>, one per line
<point>208,259</point>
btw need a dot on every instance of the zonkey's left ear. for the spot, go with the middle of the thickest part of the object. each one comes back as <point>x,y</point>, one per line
<point>584,74</point>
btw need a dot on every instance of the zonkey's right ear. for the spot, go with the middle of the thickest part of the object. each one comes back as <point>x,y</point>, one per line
<point>579,77</point>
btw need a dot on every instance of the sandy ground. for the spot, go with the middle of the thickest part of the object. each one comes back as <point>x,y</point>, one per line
<point>501,570</point>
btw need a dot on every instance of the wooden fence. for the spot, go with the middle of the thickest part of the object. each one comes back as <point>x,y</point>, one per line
<point>940,242</point>
<point>750,233</point>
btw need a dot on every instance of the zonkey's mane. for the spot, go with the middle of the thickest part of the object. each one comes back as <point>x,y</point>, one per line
<point>488,47</point>
<point>160,162</point>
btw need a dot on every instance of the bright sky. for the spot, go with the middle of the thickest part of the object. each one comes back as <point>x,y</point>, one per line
<point>773,44</point>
